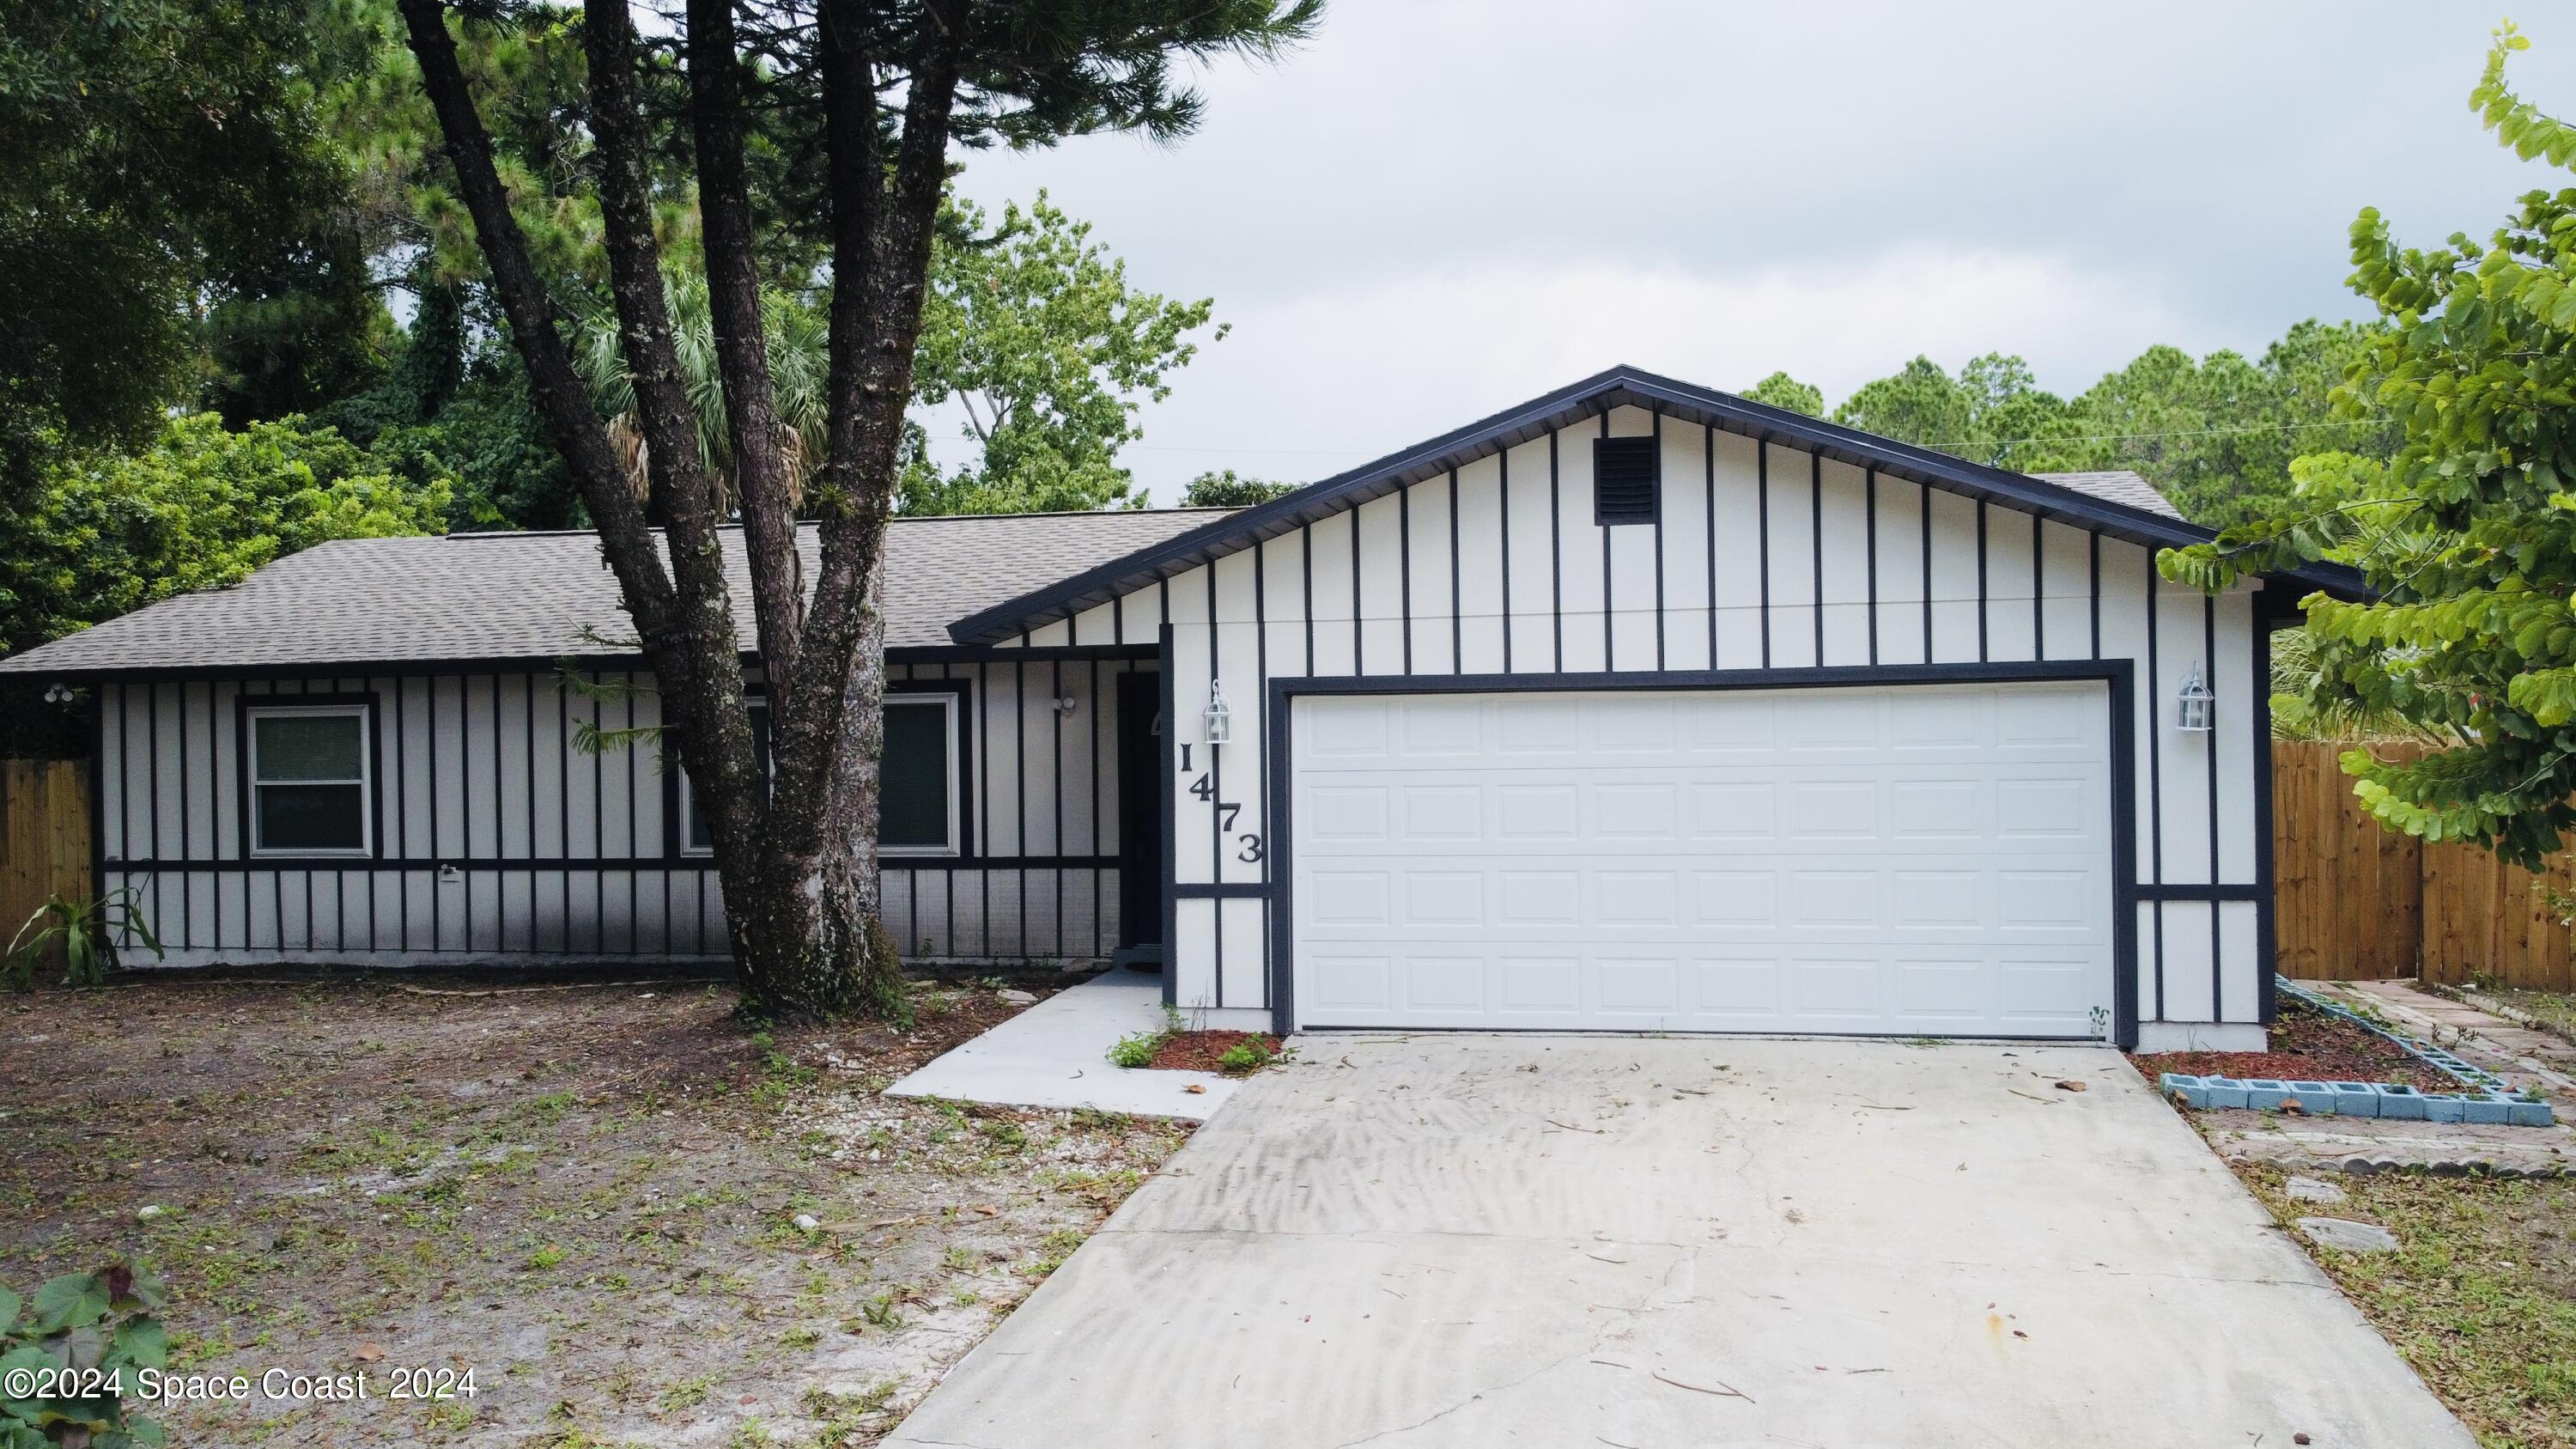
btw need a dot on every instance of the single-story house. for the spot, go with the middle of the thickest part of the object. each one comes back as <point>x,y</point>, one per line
<point>1638,706</point>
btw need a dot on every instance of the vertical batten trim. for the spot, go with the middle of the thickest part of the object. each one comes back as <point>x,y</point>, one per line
<point>1923,515</point>
<point>1816,547</point>
<point>1659,536</point>
<point>1359,633</point>
<point>1306,587</point>
<point>1762,534</point>
<point>1981,581</point>
<point>1457,609</point>
<point>1555,556</point>
<point>2038,589</point>
<point>1503,502</point>
<point>2217,960</point>
<point>1869,510</point>
<point>1609,581</point>
<point>1708,521</point>
<point>1403,587</point>
<point>2155,786</point>
<point>2093,588</point>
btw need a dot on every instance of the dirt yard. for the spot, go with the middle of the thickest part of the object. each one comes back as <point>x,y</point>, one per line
<point>589,1197</point>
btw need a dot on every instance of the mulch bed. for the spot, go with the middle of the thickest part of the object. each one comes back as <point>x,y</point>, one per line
<point>1197,1051</point>
<point>2307,1046</point>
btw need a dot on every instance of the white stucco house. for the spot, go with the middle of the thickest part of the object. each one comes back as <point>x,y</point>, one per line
<point>1636,707</point>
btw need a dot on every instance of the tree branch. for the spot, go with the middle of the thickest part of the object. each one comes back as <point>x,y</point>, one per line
<point>624,536</point>
<point>716,743</point>
<point>742,352</point>
<point>880,256</point>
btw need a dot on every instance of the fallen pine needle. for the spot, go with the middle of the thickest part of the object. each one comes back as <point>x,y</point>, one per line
<point>1722,1391</point>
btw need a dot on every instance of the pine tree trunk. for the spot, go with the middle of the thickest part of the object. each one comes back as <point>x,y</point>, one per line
<point>813,944</point>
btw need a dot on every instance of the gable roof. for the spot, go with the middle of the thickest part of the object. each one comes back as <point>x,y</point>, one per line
<point>537,596</point>
<point>2122,505</point>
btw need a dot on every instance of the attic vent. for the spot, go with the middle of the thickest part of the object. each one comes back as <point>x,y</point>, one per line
<point>1626,473</point>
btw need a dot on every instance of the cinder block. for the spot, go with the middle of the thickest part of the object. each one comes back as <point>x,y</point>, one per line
<point>2192,1092</point>
<point>2488,1109</point>
<point>2523,1113</point>
<point>2263,1095</point>
<point>2224,1091</point>
<point>2316,1097</point>
<point>2445,1107</point>
<point>2355,1099</point>
<point>2400,1103</point>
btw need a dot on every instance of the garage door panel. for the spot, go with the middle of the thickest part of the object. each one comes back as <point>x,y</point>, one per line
<point>1636,810</point>
<point>1346,815</point>
<point>1896,860</point>
<point>1434,813</point>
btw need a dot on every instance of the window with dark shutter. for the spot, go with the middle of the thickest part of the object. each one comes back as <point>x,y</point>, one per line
<point>1626,473</point>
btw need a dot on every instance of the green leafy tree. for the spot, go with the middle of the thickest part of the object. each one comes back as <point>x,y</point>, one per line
<point>2468,531</point>
<point>1227,489</point>
<point>1034,332</point>
<point>1780,390</point>
<point>199,509</point>
<point>152,155</point>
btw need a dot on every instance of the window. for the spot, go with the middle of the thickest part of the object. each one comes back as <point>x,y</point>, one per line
<point>308,780</point>
<point>917,806</point>
<point>917,801</point>
<point>1626,478</point>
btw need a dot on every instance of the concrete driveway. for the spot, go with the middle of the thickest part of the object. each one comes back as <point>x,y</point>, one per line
<point>1573,1241</point>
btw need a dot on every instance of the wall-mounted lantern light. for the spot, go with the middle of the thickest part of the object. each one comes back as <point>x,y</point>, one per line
<point>1220,720</point>
<point>2196,705</point>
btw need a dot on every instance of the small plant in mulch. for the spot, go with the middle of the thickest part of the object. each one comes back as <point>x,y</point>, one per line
<point>2307,1046</point>
<point>1235,1053</point>
<point>1139,1049</point>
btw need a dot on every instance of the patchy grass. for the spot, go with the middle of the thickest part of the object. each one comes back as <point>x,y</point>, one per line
<point>2555,1010</point>
<point>588,1196</point>
<point>2480,1297</point>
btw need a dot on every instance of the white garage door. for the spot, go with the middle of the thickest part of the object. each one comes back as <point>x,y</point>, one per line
<point>1915,860</point>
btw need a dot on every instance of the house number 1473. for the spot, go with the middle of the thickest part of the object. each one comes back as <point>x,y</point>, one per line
<point>1248,844</point>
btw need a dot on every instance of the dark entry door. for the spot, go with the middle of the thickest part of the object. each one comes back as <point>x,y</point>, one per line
<point>1140,810</point>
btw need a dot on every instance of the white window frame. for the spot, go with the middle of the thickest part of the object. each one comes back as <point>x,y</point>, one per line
<point>947,700</point>
<point>366,783</point>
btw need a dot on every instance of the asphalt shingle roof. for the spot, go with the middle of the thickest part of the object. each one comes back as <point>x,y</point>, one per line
<point>522,596</point>
<point>2116,486</point>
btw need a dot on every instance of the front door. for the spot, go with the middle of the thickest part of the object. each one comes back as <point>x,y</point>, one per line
<point>1140,810</point>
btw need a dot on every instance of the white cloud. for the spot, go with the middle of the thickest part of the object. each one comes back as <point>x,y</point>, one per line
<point>1312,384</point>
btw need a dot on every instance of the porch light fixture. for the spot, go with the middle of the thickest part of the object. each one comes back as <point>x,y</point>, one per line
<point>59,693</point>
<point>1220,720</point>
<point>2195,705</point>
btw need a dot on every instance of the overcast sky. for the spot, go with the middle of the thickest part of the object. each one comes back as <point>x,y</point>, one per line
<point>1439,209</point>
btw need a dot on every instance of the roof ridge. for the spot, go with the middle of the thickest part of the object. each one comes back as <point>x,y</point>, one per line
<point>494,534</point>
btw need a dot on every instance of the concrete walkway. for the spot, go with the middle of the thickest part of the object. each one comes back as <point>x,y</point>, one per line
<point>1055,1055</point>
<point>2523,1056</point>
<point>1655,1243</point>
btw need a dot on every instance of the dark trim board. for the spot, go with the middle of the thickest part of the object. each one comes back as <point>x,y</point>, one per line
<point>548,664</point>
<point>2118,675</point>
<point>1598,394</point>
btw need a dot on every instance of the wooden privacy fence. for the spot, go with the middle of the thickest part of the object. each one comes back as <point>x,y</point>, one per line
<point>44,837</point>
<point>2356,901</point>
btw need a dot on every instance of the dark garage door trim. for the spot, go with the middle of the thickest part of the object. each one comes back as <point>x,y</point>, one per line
<point>2119,674</point>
